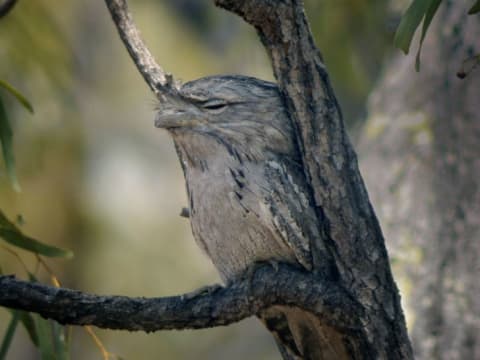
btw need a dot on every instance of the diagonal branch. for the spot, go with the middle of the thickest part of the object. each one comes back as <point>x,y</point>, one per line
<point>158,80</point>
<point>213,306</point>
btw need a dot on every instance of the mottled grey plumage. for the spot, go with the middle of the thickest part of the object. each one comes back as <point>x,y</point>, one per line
<point>249,201</point>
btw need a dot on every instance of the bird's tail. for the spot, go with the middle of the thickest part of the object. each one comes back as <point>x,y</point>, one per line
<point>301,336</point>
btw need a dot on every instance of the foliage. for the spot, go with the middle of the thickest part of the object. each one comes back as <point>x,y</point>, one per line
<point>12,235</point>
<point>420,11</point>
<point>6,134</point>
<point>50,338</point>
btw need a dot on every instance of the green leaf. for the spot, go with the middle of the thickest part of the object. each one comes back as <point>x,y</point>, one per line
<point>7,339</point>
<point>29,324</point>
<point>6,140</point>
<point>45,341</point>
<point>12,235</point>
<point>21,99</point>
<point>409,24</point>
<point>60,341</point>
<point>26,319</point>
<point>27,243</point>
<point>432,9</point>
<point>475,8</point>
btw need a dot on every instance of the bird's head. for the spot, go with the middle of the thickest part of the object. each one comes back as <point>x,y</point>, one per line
<point>238,111</point>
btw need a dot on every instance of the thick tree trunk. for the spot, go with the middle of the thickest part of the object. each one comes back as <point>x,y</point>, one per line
<point>420,155</point>
<point>351,249</point>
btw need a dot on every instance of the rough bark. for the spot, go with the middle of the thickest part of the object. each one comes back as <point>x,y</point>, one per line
<point>420,154</point>
<point>350,255</point>
<point>351,233</point>
<point>206,307</point>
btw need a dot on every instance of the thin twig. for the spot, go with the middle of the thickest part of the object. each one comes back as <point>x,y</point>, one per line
<point>157,79</point>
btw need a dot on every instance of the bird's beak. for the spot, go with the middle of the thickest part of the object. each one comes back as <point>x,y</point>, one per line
<point>176,113</point>
<point>171,118</point>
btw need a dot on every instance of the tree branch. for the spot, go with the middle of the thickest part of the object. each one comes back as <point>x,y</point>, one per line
<point>6,7</point>
<point>208,307</point>
<point>157,79</point>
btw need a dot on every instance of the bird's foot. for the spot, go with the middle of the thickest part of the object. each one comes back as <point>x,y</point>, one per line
<point>204,290</point>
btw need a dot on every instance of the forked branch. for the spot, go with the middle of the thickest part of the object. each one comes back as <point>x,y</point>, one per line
<point>208,307</point>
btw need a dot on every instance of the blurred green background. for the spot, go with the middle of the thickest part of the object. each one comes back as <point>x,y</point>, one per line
<point>98,178</point>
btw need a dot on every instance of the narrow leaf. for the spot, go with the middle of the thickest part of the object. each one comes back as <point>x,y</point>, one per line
<point>6,224</point>
<point>6,140</point>
<point>432,9</point>
<point>45,343</point>
<point>29,324</point>
<point>7,339</point>
<point>409,24</point>
<point>60,341</point>
<point>21,99</point>
<point>27,243</point>
<point>12,235</point>
<point>475,8</point>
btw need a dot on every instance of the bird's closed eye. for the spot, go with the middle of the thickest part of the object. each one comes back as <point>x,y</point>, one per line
<point>214,105</point>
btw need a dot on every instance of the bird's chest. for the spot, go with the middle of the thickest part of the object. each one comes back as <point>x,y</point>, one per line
<point>230,217</point>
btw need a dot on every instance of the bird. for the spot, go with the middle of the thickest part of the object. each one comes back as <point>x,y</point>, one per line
<point>249,199</point>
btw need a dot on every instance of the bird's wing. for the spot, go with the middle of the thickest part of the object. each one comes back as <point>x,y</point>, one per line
<point>292,212</point>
